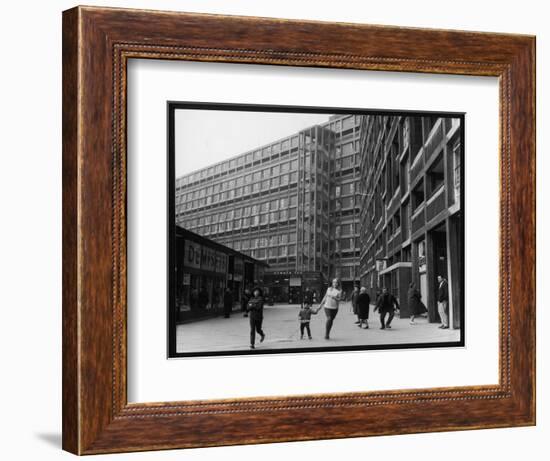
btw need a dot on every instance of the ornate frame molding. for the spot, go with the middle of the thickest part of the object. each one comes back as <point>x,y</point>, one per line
<point>97,43</point>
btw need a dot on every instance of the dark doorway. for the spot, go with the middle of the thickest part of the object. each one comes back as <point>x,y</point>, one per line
<point>439,262</point>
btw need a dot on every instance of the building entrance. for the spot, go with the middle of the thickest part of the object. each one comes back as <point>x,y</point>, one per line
<point>439,265</point>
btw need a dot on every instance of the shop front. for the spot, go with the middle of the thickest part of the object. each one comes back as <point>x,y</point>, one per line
<point>203,280</point>
<point>204,270</point>
<point>289,286</point>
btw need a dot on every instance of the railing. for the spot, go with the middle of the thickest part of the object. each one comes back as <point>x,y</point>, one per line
<point>394,203</point>
<point>417,165</point>
<point>436,204</point>
<point>434,139</point>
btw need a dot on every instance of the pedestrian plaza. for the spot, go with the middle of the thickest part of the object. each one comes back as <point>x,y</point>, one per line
<point>281,325</point>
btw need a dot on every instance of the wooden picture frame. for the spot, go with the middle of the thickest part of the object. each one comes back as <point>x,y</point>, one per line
<point>97,43</point>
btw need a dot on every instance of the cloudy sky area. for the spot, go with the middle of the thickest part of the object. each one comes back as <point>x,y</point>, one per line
<point>204,137</point>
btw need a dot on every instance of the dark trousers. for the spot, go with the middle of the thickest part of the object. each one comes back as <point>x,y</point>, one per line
<point>331,314</point>
<point>305,326</point>
<point>255,326</point>
<point>383,318</point>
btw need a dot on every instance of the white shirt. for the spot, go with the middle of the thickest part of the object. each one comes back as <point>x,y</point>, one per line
<point>332,298</point>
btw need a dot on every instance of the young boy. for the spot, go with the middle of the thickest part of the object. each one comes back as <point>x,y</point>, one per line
<point>305,316</point>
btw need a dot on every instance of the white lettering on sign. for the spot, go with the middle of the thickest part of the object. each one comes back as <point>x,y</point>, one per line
<point>192,254</point>
<point>208,260</point>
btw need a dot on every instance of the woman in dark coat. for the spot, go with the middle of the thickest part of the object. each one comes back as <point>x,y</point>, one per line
<point>416,306</point>
<point>363,305</point>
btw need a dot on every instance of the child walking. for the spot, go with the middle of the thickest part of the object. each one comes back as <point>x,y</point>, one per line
<point>305,317</point>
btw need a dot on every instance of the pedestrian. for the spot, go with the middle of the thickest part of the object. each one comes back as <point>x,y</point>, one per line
<point>443,301</point>
<point>330,302</point>
<point>363,306</point>
<point>386,304</point>
<point>354,296</point>
<point>305,317</point>
<point>244,302</point>
<point>227,303</point>
<point>255,308</point>
<point>308,297</point>
<point>416,306</point>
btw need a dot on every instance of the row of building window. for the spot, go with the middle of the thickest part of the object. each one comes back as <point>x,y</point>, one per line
<point>240,161</point>
<point>236,224</point>
<point>281,181</point>
<point>282,251</point>
<point>260,180</point>
<point>182,205</point>
<point>259,212</point>
<point>345,124</point>
<point>282,203</point>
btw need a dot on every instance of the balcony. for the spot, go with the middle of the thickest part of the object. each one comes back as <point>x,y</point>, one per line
<point>418,221</point>
<point>436,204</point>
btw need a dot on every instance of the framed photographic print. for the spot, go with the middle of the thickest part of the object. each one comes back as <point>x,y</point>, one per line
<point>270,221</point>
<point>236,223</point>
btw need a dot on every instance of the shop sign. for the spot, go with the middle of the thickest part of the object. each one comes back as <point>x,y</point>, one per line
<point>208,259</point>
<point>221,263</point>
<point>192,255</point>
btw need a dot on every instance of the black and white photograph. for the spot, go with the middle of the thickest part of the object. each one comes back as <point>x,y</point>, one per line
<point>313,229</point>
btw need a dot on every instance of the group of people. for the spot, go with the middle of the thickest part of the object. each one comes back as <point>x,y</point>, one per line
<point>252,305</point>
<point>386,305</point>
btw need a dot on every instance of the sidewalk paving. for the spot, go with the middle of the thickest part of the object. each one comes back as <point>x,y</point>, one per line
<point>281,326</point>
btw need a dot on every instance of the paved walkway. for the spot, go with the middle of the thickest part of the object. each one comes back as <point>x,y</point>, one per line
<point>281,326</point>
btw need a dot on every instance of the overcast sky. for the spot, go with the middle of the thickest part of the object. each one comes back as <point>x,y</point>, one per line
<point>204,137</point>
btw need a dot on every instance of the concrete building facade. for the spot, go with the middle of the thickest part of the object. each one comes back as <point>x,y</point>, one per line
<point>412,213</point>
<point>293,204</point>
